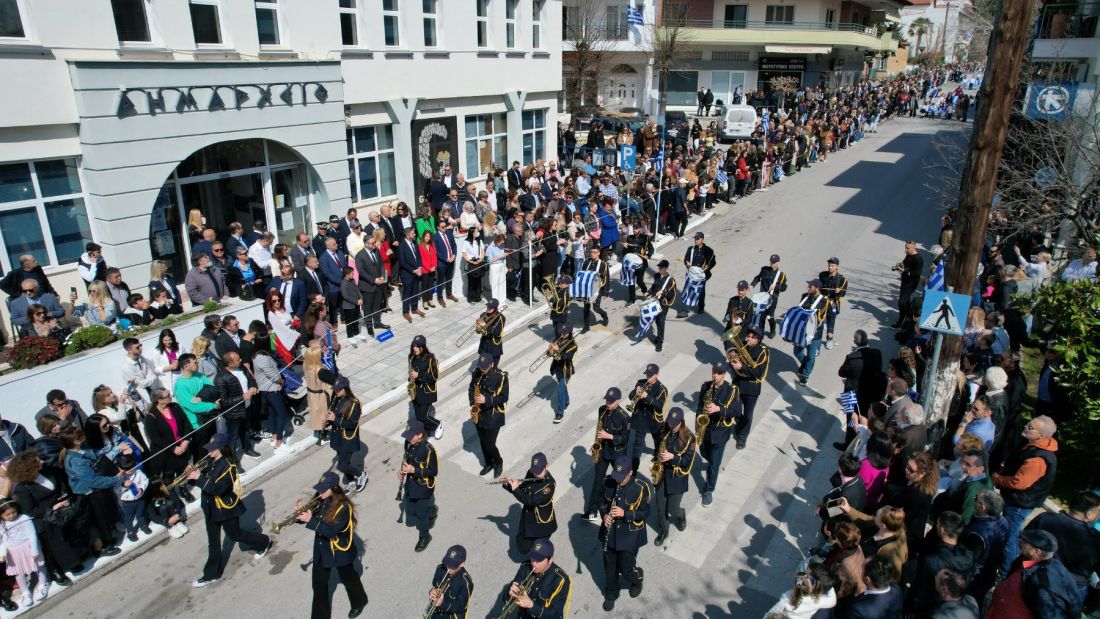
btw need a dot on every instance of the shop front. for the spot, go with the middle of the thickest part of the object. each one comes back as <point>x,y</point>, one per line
<point>779,66</point>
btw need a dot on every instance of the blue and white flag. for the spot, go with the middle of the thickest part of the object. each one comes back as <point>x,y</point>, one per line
<point>328,359</point>
<point>722,177</point>
<point>645,318</point>
<point>634,17</point>
<point>692,291</point>
<point>935,278</point>
<point>626,274</point>
<point>848,402</point>
<point>799,326</point>
<point>585,285</point>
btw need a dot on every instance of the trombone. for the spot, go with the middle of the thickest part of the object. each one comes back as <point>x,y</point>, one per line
<point>549,354</point>
<point>478,327</point>
<point>277,527</point>
<point>190,468</point>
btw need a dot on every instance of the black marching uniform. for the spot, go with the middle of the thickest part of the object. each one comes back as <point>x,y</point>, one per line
<point>420,484</point>
<point>551,593</point>
<point>334,548</point>
<point>222,508</point>
<point>559,307</point>
<point>834,288</point>
<point>626,535</point>
<point>718,431</point>
<point>424,397</point>
<point>492,343</point>
<point>494,386</point>
<point>740,306</point>
<point>456,599</point>
<point>601,269</point>
<point>562,370</point>
<point>664,289</point>
<point>537,520</point>
<point>616,422</point>
<point>642,245</point>
<point>765,278</point>
<point>648,418</point>
<point>749,380</point>
<point>344,438</point>
<point>674,481</point>
<point>702,257</point>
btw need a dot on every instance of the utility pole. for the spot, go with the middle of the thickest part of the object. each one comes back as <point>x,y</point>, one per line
<point>1007,44</point>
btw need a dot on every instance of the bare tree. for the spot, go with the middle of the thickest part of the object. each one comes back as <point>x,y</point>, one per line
<point>784,85</point>
<point>668,41</point>
<point>588,55</point>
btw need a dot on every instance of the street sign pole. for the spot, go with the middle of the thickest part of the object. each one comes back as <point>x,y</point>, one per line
<point>929,395</point>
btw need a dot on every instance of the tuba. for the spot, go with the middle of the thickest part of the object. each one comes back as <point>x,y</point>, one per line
<point>657,468</point>
<point>737,350</point>
<point>702,420</point>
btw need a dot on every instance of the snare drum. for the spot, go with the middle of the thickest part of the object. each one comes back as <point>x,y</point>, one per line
<point>760,303</point>
<point>696,275</point>
<point>632,261</point>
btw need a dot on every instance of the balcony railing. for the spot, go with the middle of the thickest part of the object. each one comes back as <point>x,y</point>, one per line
<point>607,33</point>
<point>721,24</point>
<point>1069,21</point>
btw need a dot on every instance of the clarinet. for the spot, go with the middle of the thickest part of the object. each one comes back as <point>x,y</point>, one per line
<point>401,485</point>
<point>611,527</point>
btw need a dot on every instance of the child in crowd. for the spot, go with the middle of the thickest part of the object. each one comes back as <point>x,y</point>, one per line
<point>21,552</point>
<point>131,496</point>
<point>167,509</point>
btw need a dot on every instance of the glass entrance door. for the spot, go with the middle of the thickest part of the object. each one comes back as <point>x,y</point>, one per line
<point>291,202</point>
<point>225,200</point>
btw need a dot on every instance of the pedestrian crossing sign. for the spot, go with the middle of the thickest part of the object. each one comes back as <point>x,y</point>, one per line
<point>944,312</point>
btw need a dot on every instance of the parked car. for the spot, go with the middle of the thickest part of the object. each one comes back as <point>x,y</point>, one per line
<point>738,122</point>
<point>677,127</point>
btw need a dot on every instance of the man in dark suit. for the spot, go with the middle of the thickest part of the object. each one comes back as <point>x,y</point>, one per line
<point>258,229</point>
<point>453,203</point>
<point>437,193</point>
<point>293,290</point>
<point>332,262</point>
<point>317,243</point>
<point>372,284</point>
<point>311,278</point>
<point>386,221</point>
<point>446,177</point>
<point>300,251</point>
<point>515,177</point>
<point>408,260</point>
<point>883,597</point>
<point>229,338</point>
<point>235,239</point>
<point>446,251</point>
<point>862,373</point>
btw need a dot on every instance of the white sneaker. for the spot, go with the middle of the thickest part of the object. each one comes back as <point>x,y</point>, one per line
<point>438,434</point>
<point>26,601</point>
<point>183,528</point>
<point>42,590</point>
<point>175,532</point>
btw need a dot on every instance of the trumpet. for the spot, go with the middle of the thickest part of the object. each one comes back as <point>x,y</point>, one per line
<point>637,397</point>
<point>277,527</point>
<point>512,605</point>
<point>550,353</point>
<point>442,589</point>
<point>190,468</point>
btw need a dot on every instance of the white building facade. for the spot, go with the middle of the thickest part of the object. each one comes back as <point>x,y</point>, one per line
<point>128,118</point>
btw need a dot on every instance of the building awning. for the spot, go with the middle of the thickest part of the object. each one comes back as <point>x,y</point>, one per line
<point>796,49</point>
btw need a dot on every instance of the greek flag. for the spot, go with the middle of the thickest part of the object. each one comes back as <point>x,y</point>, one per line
<point>692,289</point>
<point>329,358</point>
<point>722,178</point>
<point>799,326</point>
<point>585,285</point>
<point>626,275</point>
<point>935,279</point>
<point>634,17</point>
<point>645,318</point>
<point>848,402</point>
<point>659,161</point>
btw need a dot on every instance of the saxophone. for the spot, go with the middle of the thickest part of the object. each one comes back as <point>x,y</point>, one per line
<point>411,387</point>
<point>475,408</point>
<point>597,444</point>
<point>657,468</point>
<point>702,420</point>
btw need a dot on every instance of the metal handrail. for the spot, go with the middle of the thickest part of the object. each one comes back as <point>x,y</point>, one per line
<point>1069,21</point>
<point>724,24</point>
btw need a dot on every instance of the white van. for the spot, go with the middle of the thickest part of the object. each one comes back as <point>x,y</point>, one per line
<point>738,122</point>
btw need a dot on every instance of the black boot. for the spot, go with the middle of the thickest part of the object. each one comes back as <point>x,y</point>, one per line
<point>423,542</point>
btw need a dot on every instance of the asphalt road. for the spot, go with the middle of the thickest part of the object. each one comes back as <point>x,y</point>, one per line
<point>735,557</point>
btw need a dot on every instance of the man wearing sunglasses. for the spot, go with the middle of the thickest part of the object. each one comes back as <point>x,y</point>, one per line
<point>31,295</point>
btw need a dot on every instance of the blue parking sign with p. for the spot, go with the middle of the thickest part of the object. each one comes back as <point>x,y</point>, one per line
<point>628,155</point>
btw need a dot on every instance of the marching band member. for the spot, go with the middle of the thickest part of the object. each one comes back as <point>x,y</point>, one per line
<point>739,308</point>
<point>722,409</point>
<point>491,386</point>
<point>664,289</point>
<point>222,509</point>
<point>702,256</point>
<point>772,280</point>
<point>551,589</point>
<point>558,298</point>
<point>451,585</point>
<point>640,242</point>
<point>492,341</point>
<point>418,470</point>
<point>749,375</point>
<point>343,418</point>
<point>333,524</point>
<point>613,437</point>
<point>625,509</point>
<point>812,299</point>
<point>595,262</point>
<point>561,368</point>
<point>676,459</point>
<point>834,286</point>
<point>650,398</point>
<point>536,494</point>
<point>423,375</point>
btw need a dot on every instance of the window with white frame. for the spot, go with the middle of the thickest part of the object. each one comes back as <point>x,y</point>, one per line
<point>431,30</point>
<point>779,14</point>
<point>11,22</point>
<point>267,22</point>
<point>349,27</point>
<point>391,22</point>
<point>486,143</point>
<point>536,23</point>
<point>42,212</point>
<point>131,21</point>
<point>482,23</point>
<point>371,162</point>
<point>534,135</point>
<point>615,21</point>
<point>511,7</point>
<point>205,22</point>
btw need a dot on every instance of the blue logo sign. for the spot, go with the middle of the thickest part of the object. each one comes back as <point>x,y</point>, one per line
<point>944,312</point>
<point>1051,100</point>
